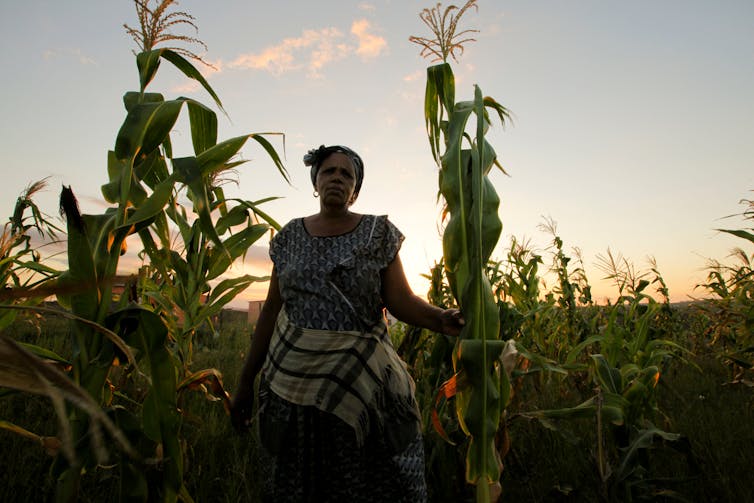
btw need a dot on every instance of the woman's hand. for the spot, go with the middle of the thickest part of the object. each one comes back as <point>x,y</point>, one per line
<point>241,410</point>
<point>452,322</point>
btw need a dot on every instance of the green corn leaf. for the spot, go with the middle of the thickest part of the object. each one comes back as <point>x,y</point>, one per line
<point>162,229</point>
<point>259,138</point>
<point>115,168</point>
<point>150,248</point>
<point>178,216</point>
<point>131,99</point>
<point>153,205</point>
<point>160,124</point>
<point>226,291</point>
<point>146,126</point>
<point>483,406</point>
<point>179,265</point>
<point>152,169</point>
<point>439,97</point>
<point>644,440</point>
<point>574,353</point>
<point>191,72</point>
<point>44,353</point>
<point>131,133</point>
<point>236,216</point>
<point>236,245</point>
<point>203,126</point>
<point>219,202</point>
<point>502,112</point>
<point>612,410</point>
<point>607,376</point>
<point>147,62</point>
<point>739,233</point>
<point>188,170</point>
<point>144,330</point>
<point>214,158</point>
<point>254,207</point>
<point>81,278</point>
<point>37,267</point>
<point>104,244</point>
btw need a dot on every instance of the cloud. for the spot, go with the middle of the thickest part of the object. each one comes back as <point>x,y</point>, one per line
<point>74,53</point>
<point>370,46</point>
<point>328,50</point>
<point>314,50</point>
<point>317,46</point>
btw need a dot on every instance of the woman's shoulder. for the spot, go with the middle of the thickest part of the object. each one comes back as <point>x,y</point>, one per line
<point>382,230</point>
<point>377,219</point>
<point>291,226</point>
<point>385,222</point>
<point>290,230</point>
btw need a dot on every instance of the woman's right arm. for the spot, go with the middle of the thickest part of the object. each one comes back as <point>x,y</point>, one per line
<point>242,402</point>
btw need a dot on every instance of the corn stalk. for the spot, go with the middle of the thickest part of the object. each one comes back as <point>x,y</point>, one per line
<point>472,231</point>
<point>145,181</point>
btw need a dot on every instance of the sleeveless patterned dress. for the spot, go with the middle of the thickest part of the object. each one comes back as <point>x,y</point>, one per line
<point>307,455</point>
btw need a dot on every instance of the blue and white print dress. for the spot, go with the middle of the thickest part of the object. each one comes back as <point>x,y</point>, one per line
<point>334,283</point>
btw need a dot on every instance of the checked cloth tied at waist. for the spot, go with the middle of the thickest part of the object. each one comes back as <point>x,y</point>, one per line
<point>349,374</point>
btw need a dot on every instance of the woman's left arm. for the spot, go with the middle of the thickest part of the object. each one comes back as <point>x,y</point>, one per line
<point>402,303</point>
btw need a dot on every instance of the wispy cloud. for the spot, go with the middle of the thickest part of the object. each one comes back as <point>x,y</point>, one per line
<point>69,53</point>
<point>370,45</point>
<point>314,50</point>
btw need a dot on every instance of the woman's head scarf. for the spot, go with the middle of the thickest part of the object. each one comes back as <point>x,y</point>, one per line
<point>315,157</point>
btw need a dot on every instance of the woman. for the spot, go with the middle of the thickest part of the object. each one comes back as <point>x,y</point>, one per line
<point>337,415</point>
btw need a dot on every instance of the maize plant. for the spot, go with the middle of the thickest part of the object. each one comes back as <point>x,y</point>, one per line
<point>472,231</point>
<point>132,359</point>
<point>732,304</point>
<point>22,271</point>
<point>625,359</point>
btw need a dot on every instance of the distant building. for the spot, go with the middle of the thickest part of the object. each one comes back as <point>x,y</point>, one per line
<point>255,307</point>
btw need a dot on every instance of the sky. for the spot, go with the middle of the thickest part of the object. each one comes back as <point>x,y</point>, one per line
<point>632,130</point>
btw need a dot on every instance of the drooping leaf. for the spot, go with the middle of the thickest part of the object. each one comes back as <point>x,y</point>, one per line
<point>191,72</point>
<point>739,233</point>
<point>209,381</point>
<point>21,370</point>
<point>147,62</point>
<point>259,138</point>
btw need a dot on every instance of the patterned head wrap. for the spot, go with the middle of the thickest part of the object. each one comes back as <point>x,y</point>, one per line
<point>315,157</point>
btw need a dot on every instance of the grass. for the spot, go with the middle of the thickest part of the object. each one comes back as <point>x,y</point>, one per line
<point>542,466</point>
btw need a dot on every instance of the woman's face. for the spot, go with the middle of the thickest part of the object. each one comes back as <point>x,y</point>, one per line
<point>336,180</point>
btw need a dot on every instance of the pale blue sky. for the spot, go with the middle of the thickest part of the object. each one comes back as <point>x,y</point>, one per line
<point>633,120</point>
